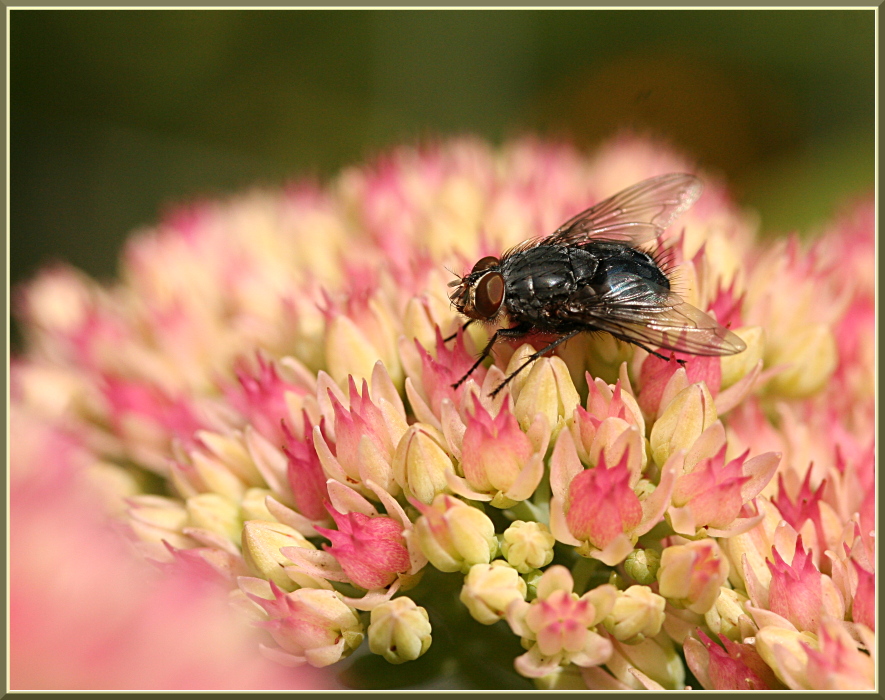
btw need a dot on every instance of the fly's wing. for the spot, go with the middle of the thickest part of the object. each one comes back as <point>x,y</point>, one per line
<point>634,216</point>
<point>640,312</point>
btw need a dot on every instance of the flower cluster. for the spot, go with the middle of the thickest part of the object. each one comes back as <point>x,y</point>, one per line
<point>267,396</point>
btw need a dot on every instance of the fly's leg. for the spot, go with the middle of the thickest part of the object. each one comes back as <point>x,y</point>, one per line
<point>652,352</point>
<point>531,359</point>
<point>516,332</point>
<point>455,334</point>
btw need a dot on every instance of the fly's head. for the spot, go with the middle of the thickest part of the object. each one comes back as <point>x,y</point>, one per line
<point>480,293</point>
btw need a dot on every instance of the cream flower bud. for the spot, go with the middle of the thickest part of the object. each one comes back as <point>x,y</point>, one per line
<point>724,616</point>
<point>489,589</point>
<point>214,513</point>
<point>638,613</point>
<point>420,463</point>
<point>683,420</point>
<point>548,389</point>
<point>655,657</point>
<point>261,550</point>
<point>399,630</point>
<point>254,505</point>
<point>527,545</point>
<point>691,574</point>
<point>113,484</point>
<point>735,367</point>
<point>156,519</point>
<point>453,535</point>
<point>642,565</point>
<point>811,356</point>
<point>786,653</point>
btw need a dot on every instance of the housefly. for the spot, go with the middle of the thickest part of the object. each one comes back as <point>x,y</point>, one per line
<point>591,274</point>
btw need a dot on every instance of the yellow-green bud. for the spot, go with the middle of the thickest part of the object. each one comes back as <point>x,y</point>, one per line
<point>531,582</point>
<point>642,565</point>
<point>527,545</point>
<point>811,357</point>
<point>489,589</point>
<point>399,630</point>
<point>691,574</point>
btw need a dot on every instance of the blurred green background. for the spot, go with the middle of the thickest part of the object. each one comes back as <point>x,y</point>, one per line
<point>117,114</point>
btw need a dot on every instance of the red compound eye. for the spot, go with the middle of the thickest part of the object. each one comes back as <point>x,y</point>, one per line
<point>489,294</point>
<point>485,263</point>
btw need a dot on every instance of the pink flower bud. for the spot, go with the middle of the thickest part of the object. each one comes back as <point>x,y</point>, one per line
<point>371,551</point>
<point>311,625</point>
<point>795,592</point>
<point>260,395</point>
<point>712,490</point>
<point>494,449</point>
<point>601,504</point>
<point>305,472</point>
<point>439,373</point>
<point>736,667</point>
<point>691,574</point>
<point>863,608</point>
<point>352,426</point>
<point>837,663</point>
<point>498,458</point>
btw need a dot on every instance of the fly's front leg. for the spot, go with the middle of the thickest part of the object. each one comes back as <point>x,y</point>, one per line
<point>516,332</point>
<point>532,358</point>
<point>455,334</point>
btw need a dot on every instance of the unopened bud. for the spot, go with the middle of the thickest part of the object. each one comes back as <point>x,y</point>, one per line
<point>399,630</point>
<point>489,589</point>
<point>642,565</point>
<point>638,613</point>
<point>261,550</point>
<point>454,536</point>
<point>215,513</point>
<point>723,617</point>
<point>527,545</point>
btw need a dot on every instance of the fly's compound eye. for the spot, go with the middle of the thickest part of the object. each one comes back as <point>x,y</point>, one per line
<point>485,263</point>
<point>489,293</point>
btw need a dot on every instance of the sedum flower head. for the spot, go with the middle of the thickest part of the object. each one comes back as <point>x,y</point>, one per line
<point>266,397</point>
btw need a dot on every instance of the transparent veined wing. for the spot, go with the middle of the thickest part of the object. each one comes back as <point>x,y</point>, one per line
<point>633,216</point>
<point>638,311</point>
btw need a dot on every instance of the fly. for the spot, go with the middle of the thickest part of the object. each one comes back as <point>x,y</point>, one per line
<point>592,275</point>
